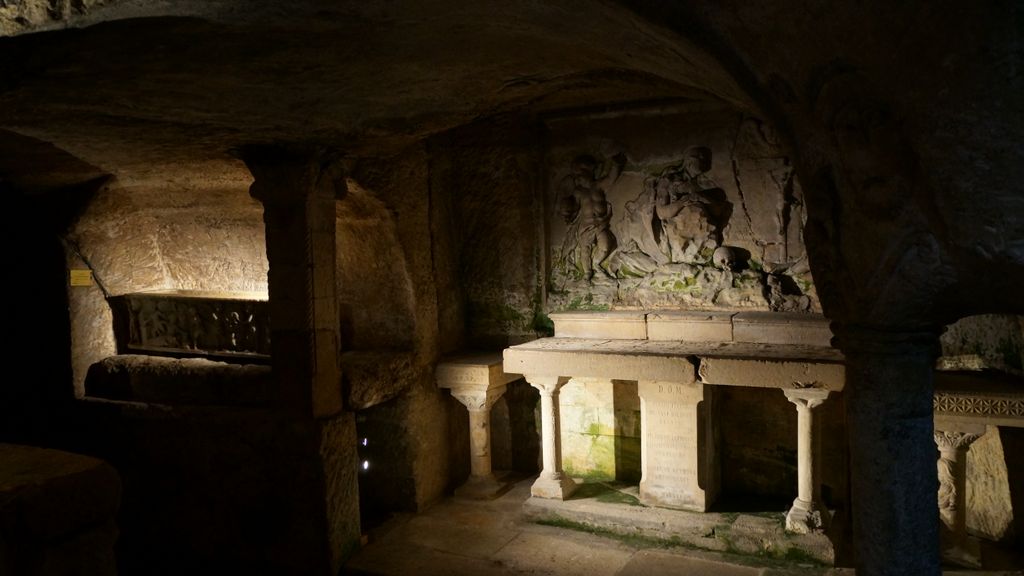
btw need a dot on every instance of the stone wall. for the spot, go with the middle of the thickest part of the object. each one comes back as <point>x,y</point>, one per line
<point>487,174</point>
<point>994,341</point>
<point>137,238</point>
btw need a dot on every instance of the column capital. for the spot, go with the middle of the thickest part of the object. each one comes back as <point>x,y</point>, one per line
<point>946,439</point>
<point>806,397</point>
<point>288,174</point>
<point>546,384</point>
<point>476,398</point>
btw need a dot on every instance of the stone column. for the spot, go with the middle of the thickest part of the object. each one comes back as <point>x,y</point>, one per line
<point>482,483</point>
<point>807,513</point>
<point>954,441</point>
<point>678,456</point>
<point>477,381</point>
<point>552,482</point>
<point>889,397</point>
<point>298,189</point>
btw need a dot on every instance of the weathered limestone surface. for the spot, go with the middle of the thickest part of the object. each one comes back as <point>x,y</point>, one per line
<point>988,340</point>
<point>601,429</point>
<point>373,377</point>
<point>135,237</point>
<point>615,325</point>
<point>690,326</point>
<point>829,375</point>
<point>179,381</point>
<point>781,328</point>
<point>484,176</point>
<point>57,512</point>
<point>477,381</point>
<point>679,445</point>
<point>372,269</point>
<point>990,511</point>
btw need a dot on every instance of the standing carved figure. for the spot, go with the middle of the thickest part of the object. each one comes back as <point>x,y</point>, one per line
<point>583,205</point>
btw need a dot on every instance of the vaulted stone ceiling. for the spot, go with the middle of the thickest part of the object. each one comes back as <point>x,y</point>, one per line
<point>905,118</point>
<point>142,87</point>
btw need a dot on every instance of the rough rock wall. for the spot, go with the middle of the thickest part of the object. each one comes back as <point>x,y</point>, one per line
<point>993,341</point>
<point>693,207</point>
<point>139,239</point>
<point>488,174</point>
<point>410,462</point>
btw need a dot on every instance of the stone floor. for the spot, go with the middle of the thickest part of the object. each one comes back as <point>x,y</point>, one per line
<point>495,538</point>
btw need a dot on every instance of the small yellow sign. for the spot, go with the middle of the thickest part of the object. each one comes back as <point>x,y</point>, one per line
<point>81,277</point>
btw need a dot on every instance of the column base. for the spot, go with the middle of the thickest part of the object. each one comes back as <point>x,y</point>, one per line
<point>484,487</point>
<point>559,488</point>
<point>807,517</point>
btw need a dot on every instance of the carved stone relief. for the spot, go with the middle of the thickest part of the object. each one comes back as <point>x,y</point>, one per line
<point>704,214</point>
<point>166,323</point>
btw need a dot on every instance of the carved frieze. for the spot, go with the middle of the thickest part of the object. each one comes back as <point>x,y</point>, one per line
<point>987,405</point>
<point>173,323</point>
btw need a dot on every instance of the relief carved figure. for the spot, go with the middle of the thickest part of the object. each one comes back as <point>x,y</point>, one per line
<point>680,213</point>
<point>582,204</point>
<point>689,209</point>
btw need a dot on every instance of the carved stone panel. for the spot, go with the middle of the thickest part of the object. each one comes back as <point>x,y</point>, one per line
<point>178,324</point>
<point>694,209</point>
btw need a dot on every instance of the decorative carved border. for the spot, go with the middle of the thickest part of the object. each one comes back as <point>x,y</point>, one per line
<point>988,405</point>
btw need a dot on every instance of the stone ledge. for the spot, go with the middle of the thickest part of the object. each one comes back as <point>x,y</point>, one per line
<point>156,379</point>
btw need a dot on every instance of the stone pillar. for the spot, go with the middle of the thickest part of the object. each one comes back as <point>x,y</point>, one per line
<point>807,514</point>
<point>298,189</point>
<point>552,482</point>
<point>477,381</point>
<point>954,441</point>
<point>298,193</point>
<point>889,398</point>
<point>678,456</point>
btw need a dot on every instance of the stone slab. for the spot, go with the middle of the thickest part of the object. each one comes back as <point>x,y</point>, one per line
<point>617,325</point>
<point>781,328</point>
<point>483,369</point>
<point>690,326</point>
<point>677,449</point>
<point>764,373</point>
<point>598,364</point>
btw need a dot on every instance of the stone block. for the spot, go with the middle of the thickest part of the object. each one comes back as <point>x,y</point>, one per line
<point>679,452</point>
<point>771,373</point>
<point>473,369</point>
<point>614,325</point>
<point>781,328</point>
<point>548,358</point>
<point>690,326</point>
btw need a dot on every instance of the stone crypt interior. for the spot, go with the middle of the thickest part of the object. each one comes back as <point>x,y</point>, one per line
<point>727,277</point>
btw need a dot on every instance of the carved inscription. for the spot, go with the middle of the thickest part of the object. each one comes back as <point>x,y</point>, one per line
<point>670,445</point>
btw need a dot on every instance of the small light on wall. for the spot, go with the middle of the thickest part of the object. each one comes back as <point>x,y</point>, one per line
<point>364,441</point>
<point>366,464</point>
